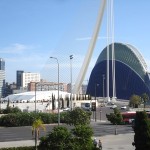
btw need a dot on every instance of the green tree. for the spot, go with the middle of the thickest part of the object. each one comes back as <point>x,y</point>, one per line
<point>10,109</point>
<point>67,101</point>
<point>144,98</point>
<point>37,124</point>
<point>142,131</point>
<point>82,137</point>
<point>58,139</point>
<point>115,117</point>
<point>62,100</point>
<point>77,97</point>
<point>53,102</point>
<point>8,102</point>
<point>78,117</point>
<point>135,101</point>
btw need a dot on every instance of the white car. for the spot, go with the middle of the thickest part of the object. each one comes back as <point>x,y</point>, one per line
<point>66,109</point>
<point>113,106</point>
<point>124,107</point>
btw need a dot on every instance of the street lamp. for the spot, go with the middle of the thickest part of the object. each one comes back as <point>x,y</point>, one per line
<point>103,86</point>
<point>71,57</point>
<point>0,104</point>
<point>58,91</point>
<point>35,96</point>
<point>35,112</point>
<point>95,99</point>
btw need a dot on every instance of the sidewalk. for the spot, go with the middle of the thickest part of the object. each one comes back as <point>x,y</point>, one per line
<point>118,142</point>
<point>109,142</point>
<point>17,143</point>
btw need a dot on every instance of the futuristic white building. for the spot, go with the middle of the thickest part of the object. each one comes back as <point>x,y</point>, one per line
<point>40,96</point>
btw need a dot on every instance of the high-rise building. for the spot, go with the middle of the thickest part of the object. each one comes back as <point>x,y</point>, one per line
<point>2,77</point>
<point>28,77</point>
<point>18,78</point>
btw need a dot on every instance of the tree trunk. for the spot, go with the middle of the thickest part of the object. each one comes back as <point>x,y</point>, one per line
<point>36,139</point>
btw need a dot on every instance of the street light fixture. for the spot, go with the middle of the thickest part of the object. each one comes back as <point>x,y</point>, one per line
<point>103,86</point>
<point>35,112</point>
<point>0,104</point>
<point>35,96</point>
<point>71,57</point>
<point>58,91</point>
<point>95,99</point>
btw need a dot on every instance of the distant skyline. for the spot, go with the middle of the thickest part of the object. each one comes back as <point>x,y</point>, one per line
<point>33,30</point>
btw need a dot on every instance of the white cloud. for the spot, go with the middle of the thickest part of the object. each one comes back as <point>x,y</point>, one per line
<point>15,48</point>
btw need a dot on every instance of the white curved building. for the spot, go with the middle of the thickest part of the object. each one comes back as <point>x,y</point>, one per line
<point>40,96</point>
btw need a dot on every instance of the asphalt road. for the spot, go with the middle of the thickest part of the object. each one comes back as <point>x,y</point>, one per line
<point>25,133</point>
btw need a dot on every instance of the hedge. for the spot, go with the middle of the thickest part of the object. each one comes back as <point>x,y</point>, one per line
<point>27,119</point>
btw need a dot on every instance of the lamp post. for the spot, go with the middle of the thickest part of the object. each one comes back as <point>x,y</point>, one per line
<point>35,112</point>
<point>95,99</point>
<point>103,86</point>
<point>0,104</point>
<point>35,96</point>
<point>58,91</point>
<point>71,57</point>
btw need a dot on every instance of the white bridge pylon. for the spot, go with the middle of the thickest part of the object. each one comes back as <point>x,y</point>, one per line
<point>90,49</point>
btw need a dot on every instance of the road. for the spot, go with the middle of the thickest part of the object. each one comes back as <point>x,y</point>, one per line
<point>24,133</point>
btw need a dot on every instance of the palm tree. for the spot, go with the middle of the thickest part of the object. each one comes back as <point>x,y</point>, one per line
<point>135,101</point>
<point>37,124</point>
<point>145,98</point>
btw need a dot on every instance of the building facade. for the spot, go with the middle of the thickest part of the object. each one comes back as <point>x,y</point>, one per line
<point>131,73</point>
<point>2,77</point>
<point>28,77</point>
<point>47,86</point>
<point>19,78</point>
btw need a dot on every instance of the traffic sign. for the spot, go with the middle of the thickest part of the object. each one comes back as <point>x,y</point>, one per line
<point>93,106</point>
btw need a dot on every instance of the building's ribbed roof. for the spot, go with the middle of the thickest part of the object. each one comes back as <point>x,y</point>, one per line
<point>128,55</point>
<point>139,56</point>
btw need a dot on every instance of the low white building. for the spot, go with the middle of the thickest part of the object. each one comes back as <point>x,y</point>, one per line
<point>26,100</point>
<point>38,95</point>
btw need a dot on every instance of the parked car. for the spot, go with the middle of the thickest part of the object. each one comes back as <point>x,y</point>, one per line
<point>86,106</point>
<point>124,107</point>
<point>110,103</point>
<point>113,106</point>
<point>67,109</point>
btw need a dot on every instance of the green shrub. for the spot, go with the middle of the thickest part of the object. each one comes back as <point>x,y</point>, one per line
<point>142,131</point>
<point>78,117</point>
<point>10,110</point>
<point>58,139</point>
<point>26,119</point>
<point>61,138</point>
<point>115,118</point>
<point>75,117</point>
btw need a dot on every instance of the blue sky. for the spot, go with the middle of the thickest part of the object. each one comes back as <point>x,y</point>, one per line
<point>33,30</point>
